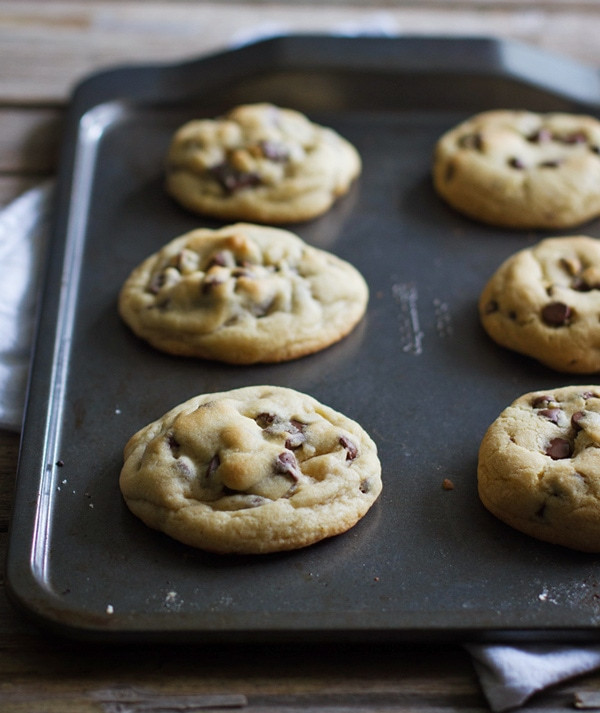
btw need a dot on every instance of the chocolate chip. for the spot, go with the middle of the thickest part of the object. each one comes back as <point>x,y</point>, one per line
<point>352,450</point>
<point>365,486</point>
<point>580,285</point>
<point>557,314</point>
<point>218,259</point>
<point>208,284</point>
<point>515,162</point>
<point>287,464</point>
<point>589,395</point>
<point>550,164</point>
<point>296,437</point>
<point>264,420</point>
<point>471,141</point>
<point>233,180</point>
<point>173,444</point>
<point>576,418</point>
<point>543,401</point>
<point>552,414</point>
<point>540,136</point>
<point>577,137</point>
<point>558,448</point>
<point>595,149</point>
<point>274,151</point>
<point>156,282</point>
<point>215,462</point>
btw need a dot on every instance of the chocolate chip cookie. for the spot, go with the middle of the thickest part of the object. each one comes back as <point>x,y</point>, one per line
<point>252,470</point>
<point>539,466</point>
<point>259,163</point>
<point>544,301</point>
<point>520,169</point>
<point>243,294</point>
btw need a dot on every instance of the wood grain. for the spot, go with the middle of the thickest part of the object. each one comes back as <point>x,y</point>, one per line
<point>48,46</point>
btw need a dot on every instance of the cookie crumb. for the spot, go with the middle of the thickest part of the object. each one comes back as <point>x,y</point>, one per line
<point>110,609</point>
<point>447,484</point>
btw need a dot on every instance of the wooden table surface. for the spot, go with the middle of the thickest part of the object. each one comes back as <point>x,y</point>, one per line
<point>46,47</point>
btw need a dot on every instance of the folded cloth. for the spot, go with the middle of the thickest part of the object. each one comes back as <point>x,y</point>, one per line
<point>23,232</point>
<point>510,675</point>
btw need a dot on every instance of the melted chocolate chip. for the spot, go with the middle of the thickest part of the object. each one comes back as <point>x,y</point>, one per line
<point>550,164</point>
<point>543,401</point>
<point>296,437</point>
<point>540,136</point>
<point>552,414</point>
<point>580,285</point>
<point>173,444</point>
<point>287,464</point>
<point>352,450</point>
<point>156,282</point>
<point>208,284</point>
<point>471,141</point>
<point>215,462</point>
<point>517,163</point>
<point>576,418</point>
<point>557,314</point>
<point>233,180</point>
<point>577,137</point>
<point>218,259</point>
<point>558,448</point>
<point>264,420</point>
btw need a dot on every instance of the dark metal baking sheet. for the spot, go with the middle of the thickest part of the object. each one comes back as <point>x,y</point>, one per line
<point>418,373</point>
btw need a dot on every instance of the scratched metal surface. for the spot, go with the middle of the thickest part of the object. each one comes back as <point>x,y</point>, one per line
<point>418,373</point>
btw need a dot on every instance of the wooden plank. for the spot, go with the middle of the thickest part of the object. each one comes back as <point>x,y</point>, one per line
<point>29,140</point>
<point>46,47</point>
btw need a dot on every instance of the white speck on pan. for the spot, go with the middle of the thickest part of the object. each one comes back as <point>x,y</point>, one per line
<point>406,296</point>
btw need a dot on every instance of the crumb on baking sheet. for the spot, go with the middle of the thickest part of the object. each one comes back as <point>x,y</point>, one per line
<point>447,484</point>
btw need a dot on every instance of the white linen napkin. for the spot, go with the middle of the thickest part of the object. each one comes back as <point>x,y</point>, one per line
<point>510,675</point>
<point>23,232</point>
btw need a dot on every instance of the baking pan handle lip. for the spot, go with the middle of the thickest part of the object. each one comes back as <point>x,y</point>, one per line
<point>172,82</point>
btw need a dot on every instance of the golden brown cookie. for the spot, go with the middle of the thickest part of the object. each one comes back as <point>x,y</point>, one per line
<point>252,470</point>
<point>544,301</point>
<point>520,169</point>
<point>243,294</point>
<point>539,466</point>
<point>259,163</point>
